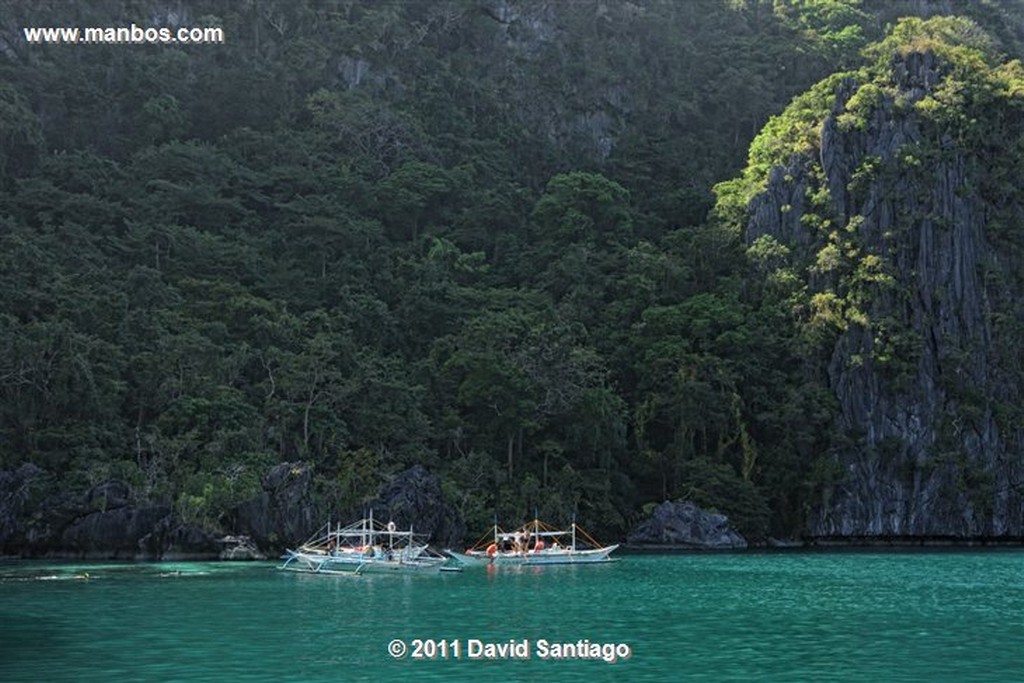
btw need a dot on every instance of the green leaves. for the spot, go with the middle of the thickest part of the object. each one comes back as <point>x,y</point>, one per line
<point>584,207</point>
<point>20,135</point>
<point>367,235</point>
<point>412,198</point>
<point>958,40</point>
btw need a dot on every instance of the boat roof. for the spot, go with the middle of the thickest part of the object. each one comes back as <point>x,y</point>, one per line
<point>535,529</point>
<point>360,530</point>
<point>366,525</point>
<point>509,535</point>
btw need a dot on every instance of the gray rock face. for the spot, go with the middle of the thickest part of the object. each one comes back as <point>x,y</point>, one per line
<point>103,523</point>
<point>922,386</point>
<point>683,524</point>
<point>117,533</point>
<point>285,512</point>
<point>15,487</point>
<point>414,498</point>
<point>239,548</point>
<point>171,539</point>
<point>100,523</point>
<point>288,511</point>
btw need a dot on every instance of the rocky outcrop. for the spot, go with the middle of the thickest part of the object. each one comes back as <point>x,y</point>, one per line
<point>101,523</point>
<point>681,524</point>
<point>125,532</point>
<point>239,548</point>
<point>285,512</point>
<point>288,509</point>
<point>926,364</point>
<point>414,499</point>
<point>104,522</point>
<point>15,488</point>
<point>98,524</point>
<point>172,539</point>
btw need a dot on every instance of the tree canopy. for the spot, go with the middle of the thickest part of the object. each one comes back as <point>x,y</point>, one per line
<point>468,234</point>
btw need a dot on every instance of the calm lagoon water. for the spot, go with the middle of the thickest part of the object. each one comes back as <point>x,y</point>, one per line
<point>850,616</point>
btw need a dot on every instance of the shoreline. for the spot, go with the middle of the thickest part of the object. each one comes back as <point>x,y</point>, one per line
<point>831,544</point>
<point>836,544</point>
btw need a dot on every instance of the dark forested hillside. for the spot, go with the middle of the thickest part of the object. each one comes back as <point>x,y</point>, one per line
<point>481,236</point>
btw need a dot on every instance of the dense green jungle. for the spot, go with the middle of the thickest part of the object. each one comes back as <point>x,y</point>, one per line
<point>572,257</point>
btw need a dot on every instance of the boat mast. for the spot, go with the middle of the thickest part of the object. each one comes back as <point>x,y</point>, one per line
<point>536,527</point>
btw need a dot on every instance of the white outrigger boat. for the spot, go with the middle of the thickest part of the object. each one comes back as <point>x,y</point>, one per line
<point>363,547</point>
<point>536,544</point>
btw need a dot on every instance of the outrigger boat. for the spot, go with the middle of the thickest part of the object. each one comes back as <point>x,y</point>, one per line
<point>363,547</point>
<point>533,544</point>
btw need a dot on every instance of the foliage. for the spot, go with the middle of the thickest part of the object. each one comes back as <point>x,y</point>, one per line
<point>366,235</point>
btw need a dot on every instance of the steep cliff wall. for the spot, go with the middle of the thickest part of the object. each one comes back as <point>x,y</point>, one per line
<point>899,208</point>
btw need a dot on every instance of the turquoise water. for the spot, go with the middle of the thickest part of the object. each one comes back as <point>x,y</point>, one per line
<point>955,616</point>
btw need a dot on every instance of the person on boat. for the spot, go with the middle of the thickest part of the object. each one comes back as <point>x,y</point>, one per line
<point>520,542</point>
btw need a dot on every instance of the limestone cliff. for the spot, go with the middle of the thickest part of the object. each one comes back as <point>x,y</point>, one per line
<point>897,202</point>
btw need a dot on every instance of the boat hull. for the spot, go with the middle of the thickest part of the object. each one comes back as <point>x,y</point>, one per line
<point>548,557</point>
<point>469,559</point>
<point>535,558</point>
<point>310,563</point>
